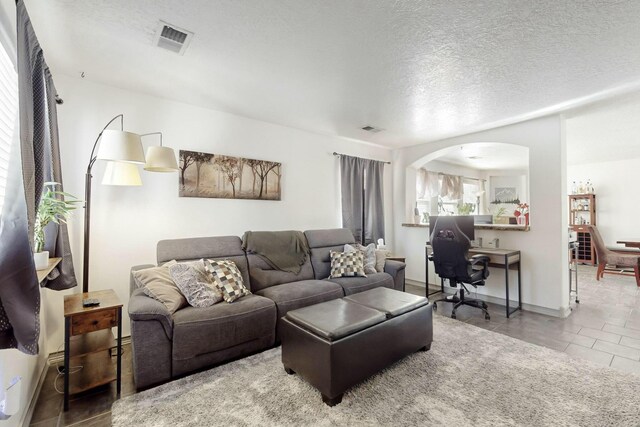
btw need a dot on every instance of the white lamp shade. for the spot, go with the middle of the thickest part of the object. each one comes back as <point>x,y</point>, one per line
<point>161,159</point>
<point>121,173</point>
<point>121,146</point>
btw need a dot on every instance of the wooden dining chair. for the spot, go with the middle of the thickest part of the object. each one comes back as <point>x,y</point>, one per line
<point>611,262</point>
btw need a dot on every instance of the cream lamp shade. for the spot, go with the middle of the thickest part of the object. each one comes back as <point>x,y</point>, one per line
<point>121,146</point>
<point>161,159</point>
<point>121,173</point>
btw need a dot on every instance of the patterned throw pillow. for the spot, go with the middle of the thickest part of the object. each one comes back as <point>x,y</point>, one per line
<point>369,253</point>
<point>197,293</point>
<point>226,277</point>
<point>347,264</point>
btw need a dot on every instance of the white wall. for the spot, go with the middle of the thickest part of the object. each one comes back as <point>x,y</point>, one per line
<point>544,248</point>
<point>15,364</point>
<point>127,222</point>
<point>617,204</point>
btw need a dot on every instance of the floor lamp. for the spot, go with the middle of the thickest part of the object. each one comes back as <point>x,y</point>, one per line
<point>123,152</point>
<point>115,146</point>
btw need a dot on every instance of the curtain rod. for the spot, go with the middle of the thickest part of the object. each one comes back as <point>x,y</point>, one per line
<point>340,154</point>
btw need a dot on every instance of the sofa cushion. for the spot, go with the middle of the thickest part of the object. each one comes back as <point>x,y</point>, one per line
<point>220,247</point>
<point>290,296</point>
<point>353,285</point>
<point>199,331</point>
<point>321,242</point>
<point>263,275</point>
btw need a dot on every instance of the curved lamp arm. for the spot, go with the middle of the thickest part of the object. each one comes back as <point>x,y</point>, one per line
<point>92,158</point>
<point>153,133</point>
<point>87,204</point>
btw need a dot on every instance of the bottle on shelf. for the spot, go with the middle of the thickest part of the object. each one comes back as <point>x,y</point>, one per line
<point>416,214</point>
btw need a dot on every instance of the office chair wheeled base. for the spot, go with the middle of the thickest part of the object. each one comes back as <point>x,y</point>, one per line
<point>460,300</point>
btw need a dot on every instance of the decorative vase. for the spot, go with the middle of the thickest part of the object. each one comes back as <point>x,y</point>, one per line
<point>41,259</point>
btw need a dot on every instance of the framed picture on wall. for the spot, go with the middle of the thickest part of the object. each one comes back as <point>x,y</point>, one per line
<point>225,177</point>
<point>505,194</point>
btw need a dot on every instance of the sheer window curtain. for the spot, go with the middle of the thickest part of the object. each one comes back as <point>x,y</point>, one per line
<point>362,196</point>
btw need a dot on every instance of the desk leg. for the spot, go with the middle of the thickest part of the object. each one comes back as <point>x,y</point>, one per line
<point>119,349</point>
<point>506,281</point>
<point>519,286</point>
<point>67,350</point>
<point>426,271</point>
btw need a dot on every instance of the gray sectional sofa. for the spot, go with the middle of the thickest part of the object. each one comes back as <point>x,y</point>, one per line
<point>167,347</point>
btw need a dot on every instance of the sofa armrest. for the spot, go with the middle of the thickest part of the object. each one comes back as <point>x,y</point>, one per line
<point>144,308</point>
<point>396,270</point>
<point>132,283</point>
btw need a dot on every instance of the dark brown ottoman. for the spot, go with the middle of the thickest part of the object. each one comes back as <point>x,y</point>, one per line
<point>337,344</point>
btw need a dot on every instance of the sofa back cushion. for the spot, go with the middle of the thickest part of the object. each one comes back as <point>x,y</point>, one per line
<point>321,243</point>
<point>219,247</point>
<point>264,276</point>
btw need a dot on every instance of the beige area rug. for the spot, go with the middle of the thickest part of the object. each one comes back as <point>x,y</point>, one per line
<point>470,377</point>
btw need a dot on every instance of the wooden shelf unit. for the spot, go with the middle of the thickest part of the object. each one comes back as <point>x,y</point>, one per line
<point>582,212</point>
<point>89,340</point>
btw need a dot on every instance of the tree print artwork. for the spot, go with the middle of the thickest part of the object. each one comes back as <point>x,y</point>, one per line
<point>226,177</point>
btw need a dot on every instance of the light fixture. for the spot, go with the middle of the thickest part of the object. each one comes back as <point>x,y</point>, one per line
<point>121,173</point>
<point>119,147</point>
<point>159,158</point>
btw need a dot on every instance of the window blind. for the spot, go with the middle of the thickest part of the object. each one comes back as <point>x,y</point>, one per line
<point>8,112</point>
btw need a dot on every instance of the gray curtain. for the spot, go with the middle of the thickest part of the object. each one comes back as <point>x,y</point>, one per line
<point>351,191</point>
<point>362,197</point>
<point>374,201</point>
<point>56,235</point>
<point>39,158</point>
<point>40,144</point>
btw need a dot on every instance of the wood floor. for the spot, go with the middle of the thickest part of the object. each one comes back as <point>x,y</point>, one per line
<point>604,328</point>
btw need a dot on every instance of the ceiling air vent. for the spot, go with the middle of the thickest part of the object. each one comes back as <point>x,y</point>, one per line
<point>371,129</point>
<point>172,38</point>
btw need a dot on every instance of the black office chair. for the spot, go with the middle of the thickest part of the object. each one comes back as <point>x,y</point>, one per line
<point>451,260</point>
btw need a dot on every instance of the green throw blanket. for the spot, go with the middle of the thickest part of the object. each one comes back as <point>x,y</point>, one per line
<point>282,250</point>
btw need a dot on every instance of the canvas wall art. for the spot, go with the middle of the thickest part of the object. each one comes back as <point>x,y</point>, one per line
<point>226,177</point>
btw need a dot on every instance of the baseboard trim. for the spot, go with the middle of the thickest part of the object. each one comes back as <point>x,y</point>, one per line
<point>58,357</point>
<point>26,419</point>
<point>561,312</point>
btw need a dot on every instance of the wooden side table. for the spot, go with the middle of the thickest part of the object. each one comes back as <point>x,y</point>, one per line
<point>88,341</point>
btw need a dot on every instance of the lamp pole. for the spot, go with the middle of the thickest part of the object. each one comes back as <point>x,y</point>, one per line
<point>87,204</point>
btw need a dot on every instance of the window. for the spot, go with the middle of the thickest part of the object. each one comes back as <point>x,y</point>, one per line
<point>8,112</point>
<point>447,206</point>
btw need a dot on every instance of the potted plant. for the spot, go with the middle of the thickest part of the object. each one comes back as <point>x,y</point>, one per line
<point>53,208</point>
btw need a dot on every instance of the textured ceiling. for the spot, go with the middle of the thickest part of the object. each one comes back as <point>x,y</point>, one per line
<point>421,70</point>
<point>488,156</point>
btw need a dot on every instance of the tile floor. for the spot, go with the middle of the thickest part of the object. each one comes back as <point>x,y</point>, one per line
<point>604,328</point>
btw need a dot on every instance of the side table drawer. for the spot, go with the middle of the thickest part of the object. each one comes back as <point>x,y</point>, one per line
<point>94,321</point>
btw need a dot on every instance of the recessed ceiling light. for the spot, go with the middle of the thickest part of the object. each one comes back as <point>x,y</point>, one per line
<point>474,157</point>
